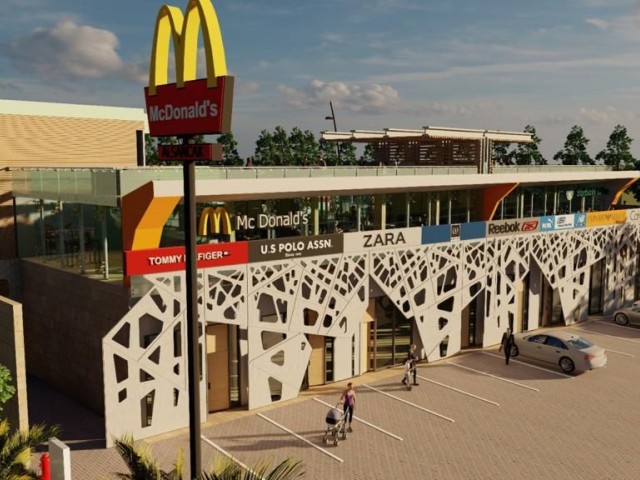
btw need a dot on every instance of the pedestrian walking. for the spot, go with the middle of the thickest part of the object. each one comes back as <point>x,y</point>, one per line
<point>349,399</point>
<point>506,343</point>
<point>413,355</point>
<point>409,368</point>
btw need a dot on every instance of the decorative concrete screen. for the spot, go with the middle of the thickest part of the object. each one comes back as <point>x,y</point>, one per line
<point>145,381</point>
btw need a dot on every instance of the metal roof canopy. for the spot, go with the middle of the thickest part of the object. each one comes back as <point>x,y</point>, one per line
<point>425,134</point>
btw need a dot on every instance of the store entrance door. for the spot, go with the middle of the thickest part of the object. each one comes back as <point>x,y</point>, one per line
<point>316,371</point>
<point>218,367</point>
<point>390,336</point>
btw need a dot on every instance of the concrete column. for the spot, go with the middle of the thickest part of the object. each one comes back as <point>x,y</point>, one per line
<point>81,238</point>
<point>105,244</point>
<point>315,212</point>
<point>60,455</point>
<point>535,294</point>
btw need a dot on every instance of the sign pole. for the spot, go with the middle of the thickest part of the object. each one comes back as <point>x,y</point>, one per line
<point>193,330</point>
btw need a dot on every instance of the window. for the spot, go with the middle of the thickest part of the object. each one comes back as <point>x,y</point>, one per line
<point>537,338</point>
<point>555,343</point>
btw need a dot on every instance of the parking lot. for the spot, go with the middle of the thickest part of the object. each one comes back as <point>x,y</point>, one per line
<point>471,417</point>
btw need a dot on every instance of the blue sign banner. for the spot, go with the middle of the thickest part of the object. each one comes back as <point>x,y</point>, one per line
<point>469,231</point>
<point>580,220</point>
<point>436,234</point>
<point>547,223</point>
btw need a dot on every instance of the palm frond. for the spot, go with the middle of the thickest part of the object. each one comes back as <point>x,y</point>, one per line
<point>137,459</point>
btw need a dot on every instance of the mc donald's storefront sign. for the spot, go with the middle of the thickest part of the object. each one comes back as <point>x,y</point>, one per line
<point>189,106</point>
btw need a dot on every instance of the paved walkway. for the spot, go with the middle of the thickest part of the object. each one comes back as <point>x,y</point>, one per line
<point>472,417</point>
<point>83,430</point>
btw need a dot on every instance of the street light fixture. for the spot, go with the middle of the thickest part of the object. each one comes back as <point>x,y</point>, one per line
<point>335,128</point>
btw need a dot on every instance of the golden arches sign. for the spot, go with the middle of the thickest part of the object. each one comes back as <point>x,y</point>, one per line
<point>189,106</point>
<point>184,30</point>
<point>217,219</point>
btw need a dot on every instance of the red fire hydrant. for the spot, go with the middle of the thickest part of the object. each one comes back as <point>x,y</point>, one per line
<point>45,467</point>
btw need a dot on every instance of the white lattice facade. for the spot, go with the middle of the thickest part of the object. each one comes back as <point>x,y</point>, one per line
<point>430,283</point>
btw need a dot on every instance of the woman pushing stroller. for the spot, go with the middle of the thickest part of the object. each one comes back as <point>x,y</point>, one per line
<point>349,399</point>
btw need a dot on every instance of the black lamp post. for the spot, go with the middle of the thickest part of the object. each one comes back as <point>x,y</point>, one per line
<point>335,128</point>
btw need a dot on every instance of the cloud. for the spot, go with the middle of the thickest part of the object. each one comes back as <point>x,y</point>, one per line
<point>605,116</point>
<point>72,51</point>
<point>66,50</point>
<point>7,87</point>
<point>599,23</point>
<point>368,98</point>
<point>246,88</point>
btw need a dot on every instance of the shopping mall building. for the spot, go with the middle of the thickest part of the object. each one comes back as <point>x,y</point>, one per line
<point>307,275</point>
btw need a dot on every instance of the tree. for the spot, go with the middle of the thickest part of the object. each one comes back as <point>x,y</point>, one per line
<point>529,153</point>
<point>369,154</point>
<point>230,156</point>
<point>140,464</point>
<point>7,390</point>
<point>575,149</point>
<point>143,467</point>
<point>347,153</point>
<point>618,150</point>
<point>17,448</point>
<point>501,154</point>
<point>304,147</point>
<point>272,148</point>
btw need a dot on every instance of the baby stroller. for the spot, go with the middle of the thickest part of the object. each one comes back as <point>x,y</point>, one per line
<point>336,426</point>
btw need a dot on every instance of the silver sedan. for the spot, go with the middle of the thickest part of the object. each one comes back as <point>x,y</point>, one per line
<point>570,352</point>
<point>631,314</point>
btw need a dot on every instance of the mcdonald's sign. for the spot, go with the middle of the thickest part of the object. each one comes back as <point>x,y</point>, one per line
<point>189,106</point>
<point>217,219</point>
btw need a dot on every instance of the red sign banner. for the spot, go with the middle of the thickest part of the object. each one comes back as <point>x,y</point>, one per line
<point>172,259</point>
<point>190,110</point>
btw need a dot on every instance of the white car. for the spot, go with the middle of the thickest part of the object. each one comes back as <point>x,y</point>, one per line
<point>628,315</point>
<point>570,352</point>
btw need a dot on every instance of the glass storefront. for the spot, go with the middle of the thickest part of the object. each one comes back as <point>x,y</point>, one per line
<point>552,200</point>
<point>82,238</point>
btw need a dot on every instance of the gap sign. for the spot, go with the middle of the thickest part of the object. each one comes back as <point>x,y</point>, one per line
<point>190,151</point>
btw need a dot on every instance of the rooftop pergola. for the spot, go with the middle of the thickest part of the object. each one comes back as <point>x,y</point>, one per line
<point>431,145</point>
<point>425,134</point>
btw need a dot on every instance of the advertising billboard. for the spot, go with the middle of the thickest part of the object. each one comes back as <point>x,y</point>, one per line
<point>377,239</point>
<point>513,227</point>
<point>436,234</point>
<point>608,217</point>
<point>172,259</point>
<point>189,106</point>
<point>294,247</point>
<point>564,222</point>
<point>633,215</point>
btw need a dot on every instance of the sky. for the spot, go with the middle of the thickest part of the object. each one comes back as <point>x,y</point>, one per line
<point>492,64</point>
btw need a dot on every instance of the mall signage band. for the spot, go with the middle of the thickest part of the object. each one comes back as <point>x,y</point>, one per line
<point>216,220</point>
<point>513,227</point>
<point>171,259</point>
<point>295,247</point>
<point>189,106</point>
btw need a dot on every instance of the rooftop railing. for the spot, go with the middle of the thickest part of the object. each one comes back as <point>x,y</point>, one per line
<point>104,186</point>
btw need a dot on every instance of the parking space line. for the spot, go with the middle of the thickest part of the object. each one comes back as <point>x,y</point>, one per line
<point>364,421</point>
<point>494,376</point>
<point>532,366</point>
<point>620,353</point>
<point>227,454</point>
<point>299,437</point>
<point>604,334</point>
<point>613,324</point>
<point>459,391</point>
<point>409,403</point>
